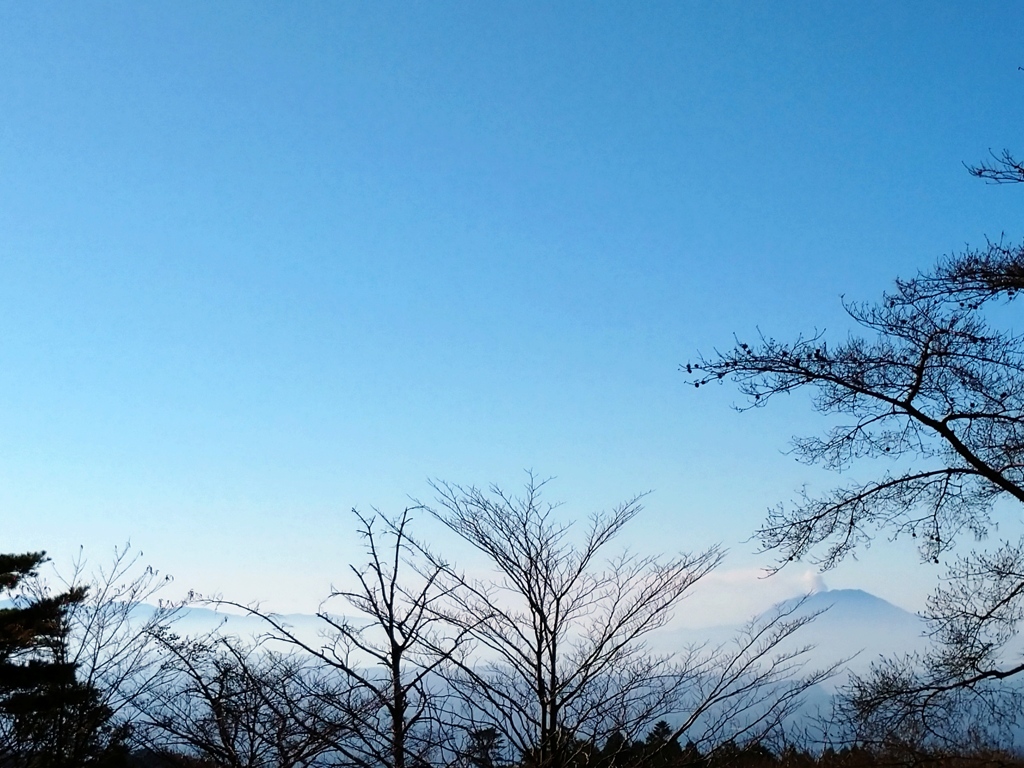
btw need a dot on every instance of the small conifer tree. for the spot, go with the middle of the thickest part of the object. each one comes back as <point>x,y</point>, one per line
<point>48,719</point>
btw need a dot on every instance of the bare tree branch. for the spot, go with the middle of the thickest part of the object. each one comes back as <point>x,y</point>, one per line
<point>561,629</point>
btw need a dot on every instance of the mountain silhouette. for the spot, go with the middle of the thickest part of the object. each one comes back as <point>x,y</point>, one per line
<point>851,624</point>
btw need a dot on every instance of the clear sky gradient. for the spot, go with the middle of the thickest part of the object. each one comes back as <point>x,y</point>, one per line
<point>261,263</point>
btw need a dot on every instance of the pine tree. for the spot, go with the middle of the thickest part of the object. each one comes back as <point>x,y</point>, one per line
<point>661,749</point>
<point>484,749</point>
<point>48,719</point>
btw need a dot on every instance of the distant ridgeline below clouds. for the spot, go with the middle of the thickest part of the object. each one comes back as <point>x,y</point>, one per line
<point>852,624</point>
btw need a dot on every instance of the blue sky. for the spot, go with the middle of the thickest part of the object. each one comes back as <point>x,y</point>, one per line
<point>260,264</point>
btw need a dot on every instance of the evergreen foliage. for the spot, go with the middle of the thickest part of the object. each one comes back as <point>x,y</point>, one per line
<point>48,719</point>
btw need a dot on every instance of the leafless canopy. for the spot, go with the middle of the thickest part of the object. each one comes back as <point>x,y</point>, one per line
<point>1000,168</point>
<point>241,706</point>
<point>928,402</point>
<point>973,277</point>
<point>561,631</point>
<point>383,650</point>
<point>113,631</point>
<point>930,383</point>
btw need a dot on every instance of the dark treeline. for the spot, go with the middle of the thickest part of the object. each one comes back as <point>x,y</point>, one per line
<point>651,753</point>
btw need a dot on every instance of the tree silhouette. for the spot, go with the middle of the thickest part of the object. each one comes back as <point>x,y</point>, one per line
<point>561,628</point>
<point>928,400</point>
<point>661,748</point>
<point>484,748</point>
<point>239,705</point>
<point>394,715</point>
<point>48,717</point>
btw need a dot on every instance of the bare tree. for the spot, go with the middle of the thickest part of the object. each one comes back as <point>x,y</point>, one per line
<point>752,688</point>
<point>562,662</point>
<point>928,402</point>
<point>978,275</point>
<point>104,637</point>
<point>112,633</point>
<point>388,654</point>
<point>955,694</point>
<point>241,706</point>
<point>1001,168</point>
<point>971,278</point>
<point>936,385</point>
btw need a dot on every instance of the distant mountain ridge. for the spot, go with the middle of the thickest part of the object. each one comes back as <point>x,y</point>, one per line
<point>852,624</point>
<point>852,602</point>
<point>858,625</point>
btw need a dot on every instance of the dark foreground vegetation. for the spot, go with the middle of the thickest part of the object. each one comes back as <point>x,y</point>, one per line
<point>728,755</point>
